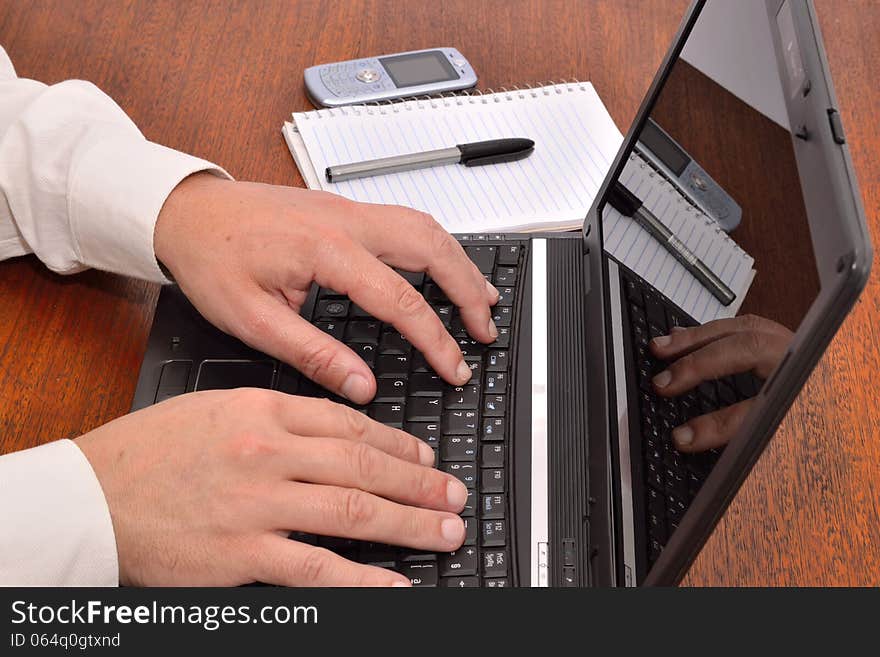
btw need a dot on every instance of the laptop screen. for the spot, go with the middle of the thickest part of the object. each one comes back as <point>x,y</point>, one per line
<point>711,259</point>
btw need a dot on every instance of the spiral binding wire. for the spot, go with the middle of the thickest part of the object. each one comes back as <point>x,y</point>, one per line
<point>692,208</point>
<point>448,99</point>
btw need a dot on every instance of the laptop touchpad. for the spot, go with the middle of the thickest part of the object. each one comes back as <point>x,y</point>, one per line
<point>224,374</point>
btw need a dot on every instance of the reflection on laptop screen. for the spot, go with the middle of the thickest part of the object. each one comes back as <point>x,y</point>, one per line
<point>715,166</point>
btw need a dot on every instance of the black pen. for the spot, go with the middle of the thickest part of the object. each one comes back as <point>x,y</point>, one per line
<point>629,205</point>
<point>470,155</point>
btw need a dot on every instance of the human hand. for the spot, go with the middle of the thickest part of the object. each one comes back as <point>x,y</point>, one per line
<point>246,255</point>
<point>713,350</point>
<point>204,488</point>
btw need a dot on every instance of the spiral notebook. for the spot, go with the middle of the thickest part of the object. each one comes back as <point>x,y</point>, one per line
<point>575,142</point>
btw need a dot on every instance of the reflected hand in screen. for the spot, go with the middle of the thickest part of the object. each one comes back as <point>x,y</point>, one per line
<point>716,349</point>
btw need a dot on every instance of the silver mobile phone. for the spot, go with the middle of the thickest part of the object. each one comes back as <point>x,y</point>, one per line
<point>373,79</point>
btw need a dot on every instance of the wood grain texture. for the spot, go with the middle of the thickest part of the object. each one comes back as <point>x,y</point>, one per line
<point>217,78</point>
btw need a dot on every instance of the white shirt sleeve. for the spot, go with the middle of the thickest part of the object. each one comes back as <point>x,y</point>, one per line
<point>55,527</point>
<point>80,187</point>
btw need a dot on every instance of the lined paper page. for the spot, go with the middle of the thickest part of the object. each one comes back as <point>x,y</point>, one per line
<point>632,245</point>
<point>575,143</point>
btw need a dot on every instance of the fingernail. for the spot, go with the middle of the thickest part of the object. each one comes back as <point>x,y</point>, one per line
<point>452,530</point>
<point>463,372</point>
<point>493,291</point>
<point>406,584</point>
<point>456,494</point>
<point>677,329</point>
<point>662,380</point>
<point>683,435</point>
<point>356,388</point>
<point>493,330</point>
<point>663,340</point>
<point>426,454</point>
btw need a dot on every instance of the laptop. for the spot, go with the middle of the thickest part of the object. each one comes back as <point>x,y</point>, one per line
<point>562,436</point>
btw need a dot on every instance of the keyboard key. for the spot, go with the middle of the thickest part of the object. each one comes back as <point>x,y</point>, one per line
<point>496,383</point>
<point>390,390</point>
<point>333,329</point>
<point>494,405</point>
<point>457,327</point>
<point>419,363</point>
<point>483,257</point>
<point>357,312</point>
<point>394,343</point>
<point>492,456</point>
<point>429,432</point>
<point>460,423</point>
<point>493,533</point>
<point>462,562</point>
<point>493,429</point>
<point>461,398</point>
<point>421,573</point>
<point>414,278</point>
<point>425,384</point>
<point>476,365</point>
<point>495,563</point>
<point>458,448</point>
<point>496,361</point>
<point>470,348</point>
<point>504,276</point>
<point>435,295</point>
<point>496,583</point>
<point>492,480</point>
<point>460,582</point>
<point>366,351</point>
<point>392,365</point>
<point>505,296</point>
<point>502,316</point>
<point>423,409</point>
<point>363,331</point>
<point>492,506</point>
<point>470,531</point>
<point>390,414</point>
<point>332,309</point>
<point>445,314</point>
<point>470,508</point>
<point>508,254</point>
<point>726,395</point>
<point>466,473</point>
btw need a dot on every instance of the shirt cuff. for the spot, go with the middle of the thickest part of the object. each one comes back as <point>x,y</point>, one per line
<point>55,526</point>
<point>116,191</point>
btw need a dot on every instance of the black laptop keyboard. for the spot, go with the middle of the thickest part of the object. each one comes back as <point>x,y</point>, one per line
<point>467,426</point>
<point>672,478</point>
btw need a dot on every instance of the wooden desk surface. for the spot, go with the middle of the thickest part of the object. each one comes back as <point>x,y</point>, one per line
<point>217,78</point>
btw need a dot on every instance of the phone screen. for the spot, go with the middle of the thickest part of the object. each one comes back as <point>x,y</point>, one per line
<point>419,68</point>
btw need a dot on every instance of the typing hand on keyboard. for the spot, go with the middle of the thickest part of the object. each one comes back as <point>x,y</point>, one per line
<point>204,488</point>
<point>741,347</point>
<point>246,255</point>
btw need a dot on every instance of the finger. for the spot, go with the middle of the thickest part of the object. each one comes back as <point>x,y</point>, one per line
<point>414,241</point>
<point>349,464</point>
<point>711,430</point>
<point>284,562</point>
<point>733,354</point>
<point>307,416</point>
<point>353,513</point>
<point>682,341</point>
<point>280,332</point>
<point>386,295</point>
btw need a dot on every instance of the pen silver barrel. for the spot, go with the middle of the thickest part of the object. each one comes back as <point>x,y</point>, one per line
<point>684,255</point>
<point>395,164</point>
